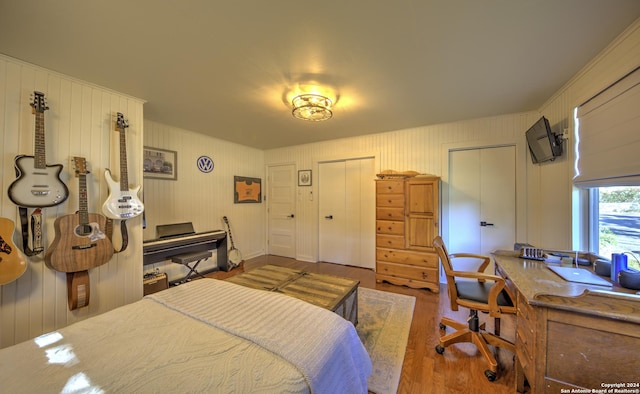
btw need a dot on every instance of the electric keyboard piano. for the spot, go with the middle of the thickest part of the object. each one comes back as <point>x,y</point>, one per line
<point>173,241</point>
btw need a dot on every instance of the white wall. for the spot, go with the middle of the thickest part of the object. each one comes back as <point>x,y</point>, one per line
<point>204,198</point>
<point>619,58</point>
<point>544,211</point>
<point>421,149</point>
<point>78,123</point>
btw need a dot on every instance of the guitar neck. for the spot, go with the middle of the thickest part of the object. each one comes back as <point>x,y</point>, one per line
<point>124,176</point>
<point>83,209</point>
<point>40,160</point>
<point>226,221</point>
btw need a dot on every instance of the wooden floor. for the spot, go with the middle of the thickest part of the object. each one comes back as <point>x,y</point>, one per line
<point>459,370</point>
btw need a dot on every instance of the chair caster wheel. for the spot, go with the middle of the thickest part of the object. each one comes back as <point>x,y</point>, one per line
<point>491,376</point>
<point>439,349</point>
<point>443,327</point>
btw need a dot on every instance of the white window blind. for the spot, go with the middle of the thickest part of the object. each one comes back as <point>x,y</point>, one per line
<point>608,136</point>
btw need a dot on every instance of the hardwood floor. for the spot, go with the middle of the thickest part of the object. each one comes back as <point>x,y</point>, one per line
<point>459,370</point>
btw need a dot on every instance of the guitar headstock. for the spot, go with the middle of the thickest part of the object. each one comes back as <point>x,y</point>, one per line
<point>79,165</point>
<point>121,122</point>
<point>39,103</point>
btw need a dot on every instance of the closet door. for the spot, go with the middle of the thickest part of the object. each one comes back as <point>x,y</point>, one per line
<point>332,218</point>
<point>482,200</point>
<point>347,212</point>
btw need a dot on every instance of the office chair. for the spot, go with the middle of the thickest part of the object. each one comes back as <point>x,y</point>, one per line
<point>484,292</point>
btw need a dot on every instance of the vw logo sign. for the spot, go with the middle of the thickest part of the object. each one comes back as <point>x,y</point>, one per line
<point>205,164</point>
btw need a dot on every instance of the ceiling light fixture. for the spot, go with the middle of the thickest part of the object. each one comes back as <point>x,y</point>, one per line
<point>313,107</point>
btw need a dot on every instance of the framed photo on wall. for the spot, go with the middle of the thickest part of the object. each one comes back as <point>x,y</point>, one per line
<point>304,178</point>
<point>247,190</point>
<point>160,164</point>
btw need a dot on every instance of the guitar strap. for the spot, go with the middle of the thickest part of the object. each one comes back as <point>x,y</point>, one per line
<point>123,231</point>
<point>36,231</point>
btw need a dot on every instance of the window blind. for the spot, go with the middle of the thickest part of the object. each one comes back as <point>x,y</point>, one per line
<point>608,136</point>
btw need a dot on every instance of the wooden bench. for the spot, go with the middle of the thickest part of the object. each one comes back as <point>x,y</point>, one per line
<point>339,295</point>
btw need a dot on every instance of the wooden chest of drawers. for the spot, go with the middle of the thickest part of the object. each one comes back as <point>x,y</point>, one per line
<point>406,223</point>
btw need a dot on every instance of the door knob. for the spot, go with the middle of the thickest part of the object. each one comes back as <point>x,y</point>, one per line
<point>291,216</point>
<point>485,224</point>
<point>329,217</point>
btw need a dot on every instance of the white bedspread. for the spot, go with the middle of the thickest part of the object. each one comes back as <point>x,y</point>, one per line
<point>149,346</point>
<point>323,345</point>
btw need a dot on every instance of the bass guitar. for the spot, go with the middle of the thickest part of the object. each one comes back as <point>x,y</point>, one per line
<point>123,203</point>
<point>38,184</point>
<point>12,262</point>
<point>80,242</point>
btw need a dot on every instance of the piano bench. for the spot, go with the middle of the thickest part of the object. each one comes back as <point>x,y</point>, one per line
<point>191,257</point>
<point>188,258</point>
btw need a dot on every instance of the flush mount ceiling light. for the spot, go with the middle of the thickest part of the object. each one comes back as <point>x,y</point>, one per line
<point>312,107</point>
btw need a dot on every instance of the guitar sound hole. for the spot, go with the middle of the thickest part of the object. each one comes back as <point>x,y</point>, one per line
<point>83,230</point>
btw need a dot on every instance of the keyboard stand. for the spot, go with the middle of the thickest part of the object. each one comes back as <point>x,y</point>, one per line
<point>187,259</point>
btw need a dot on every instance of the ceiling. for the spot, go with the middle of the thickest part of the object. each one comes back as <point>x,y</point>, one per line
<point>224,68</point>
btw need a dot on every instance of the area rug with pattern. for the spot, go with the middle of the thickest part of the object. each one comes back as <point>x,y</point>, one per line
<point>384,320</point>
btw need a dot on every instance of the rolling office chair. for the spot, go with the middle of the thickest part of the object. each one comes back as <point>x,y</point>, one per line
<point>484,292</point>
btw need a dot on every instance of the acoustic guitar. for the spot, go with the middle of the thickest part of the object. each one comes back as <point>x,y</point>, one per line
<point>12,262</point>
<point>38,184</point>
<point>123,203</point>
<point>80,243</point>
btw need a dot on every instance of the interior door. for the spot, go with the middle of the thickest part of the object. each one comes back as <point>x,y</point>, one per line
<point>281,209</point>
<point>347,212</point>
<point>482,199</point>
<point>332,219</point>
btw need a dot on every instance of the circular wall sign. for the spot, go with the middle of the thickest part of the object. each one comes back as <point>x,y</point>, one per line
<point>205,164</point>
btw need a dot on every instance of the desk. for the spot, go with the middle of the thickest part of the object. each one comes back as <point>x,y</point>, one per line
<point>570,335</point>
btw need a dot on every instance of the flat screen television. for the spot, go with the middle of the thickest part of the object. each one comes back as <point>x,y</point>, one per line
<point>544,145</point>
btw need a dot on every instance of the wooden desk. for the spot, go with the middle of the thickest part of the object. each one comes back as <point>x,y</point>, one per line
<point>570,335</point>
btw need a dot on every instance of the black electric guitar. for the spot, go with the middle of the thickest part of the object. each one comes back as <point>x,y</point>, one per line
<point>123,203</point>
<point>233,255</point>
<point>80,242</point>
<point>12,262</point>
<point>38,184</point>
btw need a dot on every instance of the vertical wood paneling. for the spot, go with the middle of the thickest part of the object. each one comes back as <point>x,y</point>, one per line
<point>75,125</point>
<point>204,198</point>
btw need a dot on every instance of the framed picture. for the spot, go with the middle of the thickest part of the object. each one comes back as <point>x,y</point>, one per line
<point>304,178</point>
<point>247,190</point>
<point>160,163</point>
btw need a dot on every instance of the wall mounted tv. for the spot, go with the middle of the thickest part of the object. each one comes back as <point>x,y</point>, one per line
<point>543,143</point>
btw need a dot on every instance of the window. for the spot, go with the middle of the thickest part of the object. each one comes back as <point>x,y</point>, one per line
<point>615,222</point>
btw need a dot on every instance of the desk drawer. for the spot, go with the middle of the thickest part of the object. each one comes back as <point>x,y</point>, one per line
<point>526,363</point>
<point>525,311</point>
<point>524,336</point>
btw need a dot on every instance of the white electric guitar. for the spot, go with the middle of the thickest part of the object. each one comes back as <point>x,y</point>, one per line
<point>38,184</point>
<point>123,203</point>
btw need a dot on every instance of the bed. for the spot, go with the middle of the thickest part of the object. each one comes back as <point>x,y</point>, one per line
<point>204,336</point>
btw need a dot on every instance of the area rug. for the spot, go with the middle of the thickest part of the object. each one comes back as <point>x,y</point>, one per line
<point>384,320</point>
